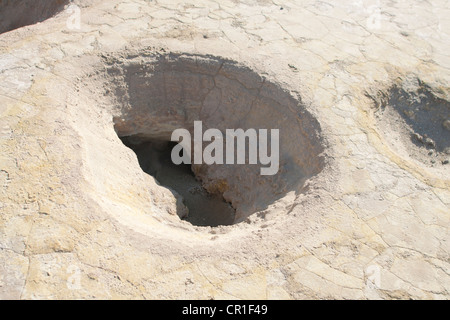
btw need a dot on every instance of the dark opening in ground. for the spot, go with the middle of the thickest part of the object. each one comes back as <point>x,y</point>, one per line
<point>205,209</point>
<point>417,122</point>
<point>426,115</point>
<point>15,14</point>
<point>158,93</point>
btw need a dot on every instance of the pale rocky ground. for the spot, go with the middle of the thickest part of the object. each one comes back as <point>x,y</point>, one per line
<point>80,219</point>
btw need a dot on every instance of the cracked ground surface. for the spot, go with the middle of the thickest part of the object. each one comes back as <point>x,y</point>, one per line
<point>79,218</point>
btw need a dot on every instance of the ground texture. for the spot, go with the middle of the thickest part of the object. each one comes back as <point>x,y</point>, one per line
<point>80,219</point>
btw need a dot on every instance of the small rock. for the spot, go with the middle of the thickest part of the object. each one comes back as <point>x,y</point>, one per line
<point>409,113</point>
<point>430,143</point>
<point>447,150</point>
<point>446,124</point>
<point>417,137</point>
<point>447,161</point>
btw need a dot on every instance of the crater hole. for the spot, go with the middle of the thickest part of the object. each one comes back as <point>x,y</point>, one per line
<point>157,93</point>
<point>416,121</point>
<point>15,14</point>
<point>203,208</point>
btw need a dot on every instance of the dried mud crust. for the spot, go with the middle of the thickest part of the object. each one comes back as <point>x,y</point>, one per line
<point>417,124</point>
